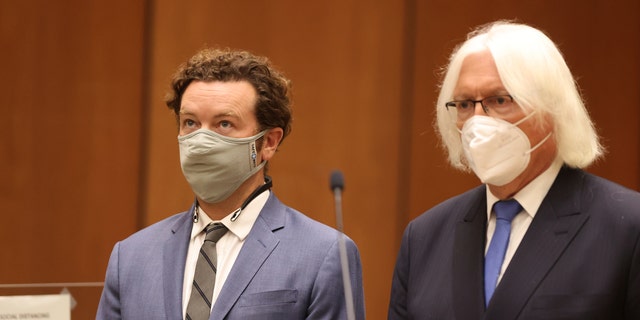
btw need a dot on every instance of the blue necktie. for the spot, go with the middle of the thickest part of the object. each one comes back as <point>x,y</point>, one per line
<point>505,212</point>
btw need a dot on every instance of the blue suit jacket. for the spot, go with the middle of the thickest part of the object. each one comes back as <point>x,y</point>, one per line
<point>579,259</point>
<point>288,268</point>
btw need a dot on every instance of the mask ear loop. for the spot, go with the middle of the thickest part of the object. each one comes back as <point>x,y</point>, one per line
<point>266,186</point>
<point>196,214</point>
<point>539,143</point>
<point>517,123</point>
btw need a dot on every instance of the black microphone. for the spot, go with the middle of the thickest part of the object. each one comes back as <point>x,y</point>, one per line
<point>337,186</point>
<point>337,181</point>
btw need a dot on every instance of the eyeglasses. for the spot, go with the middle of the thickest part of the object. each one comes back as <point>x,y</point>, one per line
<point>495,106</point>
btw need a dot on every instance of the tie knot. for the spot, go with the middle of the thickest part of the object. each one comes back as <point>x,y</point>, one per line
<point>507,210</point>
<point>214,231</point>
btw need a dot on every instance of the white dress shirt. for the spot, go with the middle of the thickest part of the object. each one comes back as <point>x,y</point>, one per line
<point>530,198</point>
<point>227,248</point>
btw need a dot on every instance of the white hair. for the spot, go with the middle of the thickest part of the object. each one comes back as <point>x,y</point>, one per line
<point>534,72</point>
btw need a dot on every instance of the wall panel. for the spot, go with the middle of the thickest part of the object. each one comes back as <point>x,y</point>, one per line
<point>69,141</point>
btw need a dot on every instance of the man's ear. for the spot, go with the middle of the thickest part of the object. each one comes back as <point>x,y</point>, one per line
<point>270,142</point>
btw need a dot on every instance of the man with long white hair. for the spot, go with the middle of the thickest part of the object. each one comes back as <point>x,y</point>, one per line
<point>540,238</point>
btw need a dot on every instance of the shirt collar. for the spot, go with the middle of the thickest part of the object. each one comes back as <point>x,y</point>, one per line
<point>242,225</point>
<point>531,196</point>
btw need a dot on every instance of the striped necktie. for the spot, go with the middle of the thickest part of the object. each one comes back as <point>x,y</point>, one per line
<point>204,278</point>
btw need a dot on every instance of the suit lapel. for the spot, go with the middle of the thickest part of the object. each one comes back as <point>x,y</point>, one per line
<point>258,245</point>
<point>174,256</point>
<point>556,223</point>
<point>468,258</point>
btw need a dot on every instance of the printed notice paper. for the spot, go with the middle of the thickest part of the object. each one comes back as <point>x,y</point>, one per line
<point>49,307</point>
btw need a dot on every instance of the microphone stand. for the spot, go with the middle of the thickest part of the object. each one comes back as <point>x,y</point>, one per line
<point>337,185</point>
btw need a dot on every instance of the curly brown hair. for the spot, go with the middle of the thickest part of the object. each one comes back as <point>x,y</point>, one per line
<point>273,106</point>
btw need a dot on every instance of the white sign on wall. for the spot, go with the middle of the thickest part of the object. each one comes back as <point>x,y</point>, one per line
<point>48,307</point>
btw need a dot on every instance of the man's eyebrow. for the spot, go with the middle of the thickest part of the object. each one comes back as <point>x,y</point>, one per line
<point>230,114</point>
<point>225,114</point>
<point>497,91</point>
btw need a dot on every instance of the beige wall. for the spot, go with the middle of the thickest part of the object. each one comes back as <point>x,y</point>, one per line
<point>88,150</point>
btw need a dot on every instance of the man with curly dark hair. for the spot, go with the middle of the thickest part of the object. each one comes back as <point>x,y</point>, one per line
<point>238,252</point>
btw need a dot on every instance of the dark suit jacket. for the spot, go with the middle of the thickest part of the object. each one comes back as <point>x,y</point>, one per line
<point>288,268</point>
<point>579,259</point>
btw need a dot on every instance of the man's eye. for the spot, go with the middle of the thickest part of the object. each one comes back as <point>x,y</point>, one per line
<point>465,104</point>
<point>225,124</point>
<point>189,123</point>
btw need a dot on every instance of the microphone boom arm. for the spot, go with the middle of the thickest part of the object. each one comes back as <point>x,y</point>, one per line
<point>337,185</point>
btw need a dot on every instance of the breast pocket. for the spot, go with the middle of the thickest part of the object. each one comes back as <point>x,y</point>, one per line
<point>268,298</point>
<point>578,306</point>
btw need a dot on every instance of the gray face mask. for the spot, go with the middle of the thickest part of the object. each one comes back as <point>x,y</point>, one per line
<point>215,165</point>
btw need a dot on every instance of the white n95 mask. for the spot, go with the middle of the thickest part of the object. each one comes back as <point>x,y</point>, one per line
<point>497,150</point>
<point>215,165</point>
